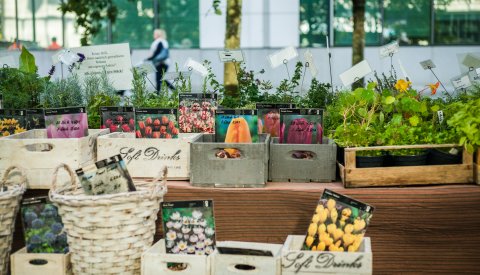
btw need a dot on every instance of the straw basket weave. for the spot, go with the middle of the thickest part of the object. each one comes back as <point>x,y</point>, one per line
<point>9,205</point>
<point>107,234</point>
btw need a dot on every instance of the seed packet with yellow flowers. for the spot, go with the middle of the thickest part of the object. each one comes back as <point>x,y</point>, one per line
<point>11,122</point>
<point>338,224</point>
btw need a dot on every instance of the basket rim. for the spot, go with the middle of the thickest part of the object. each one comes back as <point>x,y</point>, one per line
<point>13,191</point>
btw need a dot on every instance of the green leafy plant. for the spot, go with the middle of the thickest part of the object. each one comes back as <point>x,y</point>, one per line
<point>60,93</point>
<point>466,123</point>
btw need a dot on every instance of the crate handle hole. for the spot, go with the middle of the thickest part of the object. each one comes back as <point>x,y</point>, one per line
<point>39,147</point>
<point>300,154</point>
<point>228,153</point>
<point>177,266</point>
<point>244,267</point>
<point>38,262</point>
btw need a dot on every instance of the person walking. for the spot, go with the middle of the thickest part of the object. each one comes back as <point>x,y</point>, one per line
<point>159,55</point>
<point>54,46</point>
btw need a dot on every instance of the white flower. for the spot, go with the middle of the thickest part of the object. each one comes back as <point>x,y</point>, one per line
<point>179,235</point>
<point>186,236</point>
<point>209,231</point>
<point>208,250</point>
<point>182,245</point>
<point>193,239</point>
<point>186,221</point>
<point>171,235</point>
<point>175,216</point>
<point>201,236</point>
<point>170,244</point>
<point>177,225</point>
<point>191,249</point>
<point>196,214</point>
<point>208,241</point>
<point>186,230</point>
<point>197,230</point>
<point>199,252</point>
<point>175,250</point>
<point>169,224</point>
<point>202,223</point>
<point>200,245</point>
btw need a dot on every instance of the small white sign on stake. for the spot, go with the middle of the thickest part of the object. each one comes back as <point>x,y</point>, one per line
<point>65,56</point>
<point>196,66</point>
<point>176,75</point>
<point>389,49</point>
<point>355,73</point>
<point>474,75</point>
<point>404,72</point>
<point>9,61</point>
<point>471,61</point>
<point>427,64</point>
<point>310,63</point>
<point>281,57</point>
<point>230,56</point>
<point>461,82</point>
<point>145,68</point>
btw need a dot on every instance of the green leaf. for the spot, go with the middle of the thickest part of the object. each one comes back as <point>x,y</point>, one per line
<point>435,108</point>
<point>469,148</point>
<point>382,118</point>
<point>389,100</point>
<point>414,120</point>
<point>462,140</point>
<point>362,112</point>
<point>27,62</point>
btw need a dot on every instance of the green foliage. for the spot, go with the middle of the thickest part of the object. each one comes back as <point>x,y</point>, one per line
<point>60,93</point>
<point>286,90</point>
<point>20,89</point>
<point>466,123</point>
<point>27,62</point>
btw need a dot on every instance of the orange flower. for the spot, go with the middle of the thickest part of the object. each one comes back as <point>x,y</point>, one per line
<point>434,87</point>
<point>402,85</point>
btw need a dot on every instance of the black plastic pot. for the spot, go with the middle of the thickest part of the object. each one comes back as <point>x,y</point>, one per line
<point>415,160</point>
<point>438,157</point>
<point>369,161</point>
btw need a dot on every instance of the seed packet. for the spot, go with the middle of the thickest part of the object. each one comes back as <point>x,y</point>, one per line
<point>197,112</point>
<point>35,119</point>
<point>236,126</point>
<point>11,122</point>
<point>68,122</point>
<point>156,123</point>
<point>108,176</point>
<point>338,224</point>
<point>269,117</point>
<point>301,126</point>
<point>118,119</point>
<point>189,227</point>
<point>42,226</point>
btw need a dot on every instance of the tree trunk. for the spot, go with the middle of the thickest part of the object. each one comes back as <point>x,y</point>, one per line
<point>232,41</point>
<point>358,40</point>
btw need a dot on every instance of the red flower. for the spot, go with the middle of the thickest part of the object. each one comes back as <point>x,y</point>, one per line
<point>148,121</point>
<point>174,131</point>
<point>171,125</point>
<point>141,125</point>
<point>156,134</point>
<point>138,134</point>
<point>108,122</point>
<point>119,119</point>
<point>168,135</point>
<point>163,129</point>
<point>131,123</point>
<point>113,128</point>
<point>164,120</point>
<point>148,131</point>
<point>156,122</point>
<point>125,128</point>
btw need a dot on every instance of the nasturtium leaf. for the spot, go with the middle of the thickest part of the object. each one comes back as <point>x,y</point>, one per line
<point>389,100</point>
<point>414,120</point>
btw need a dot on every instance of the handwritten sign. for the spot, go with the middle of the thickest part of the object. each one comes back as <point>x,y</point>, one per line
<point>355,73</point>
<point>461,82</point>
<point>231,56</point>
<point>196,66</point>
<point>389,49</point>
<point>8,61</point>
<point>311,64</point>
<point>280,57</point>
<point>113,58</point>
<point>427,64</point>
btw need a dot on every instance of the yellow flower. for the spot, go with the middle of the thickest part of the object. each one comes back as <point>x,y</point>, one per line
<point>334,215</point>
<point>402,85</point>
<point>319,209</point>
<point>434,87</point>
<point>331,204</point>
<point>321,246</point>
<point>349,228</point>
<point>322,228</point>
<point>312,229</point>
<point>359,224</point>
<point>316,218</point>
<point>323,215</point>
<point>331,228</point>
<point>6,133</point>
<point>309,241</point>
<point>337,234</point>
<point>346,212</point>
<point>348,239</point>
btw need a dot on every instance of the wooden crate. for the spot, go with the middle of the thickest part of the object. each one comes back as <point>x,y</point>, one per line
<point>146,156</point>
<point>155,259</point>
<point>301,262</point>
<point>283,167</point>
<point>24,263</point>
<point>476,168</point>
<point>405,175</point>
<point>227,264</point>
<point>40,155</point>
<point>250,170</point>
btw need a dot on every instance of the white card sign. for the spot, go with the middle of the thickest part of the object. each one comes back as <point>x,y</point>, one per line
<point>231,56</point>
<point>310,63</point>
<point>471,61</point>
<point>404,72</point>
<point>114,58</point>
<point>461,82</point>
<point>355,73</point>
<point>9,61</point>
<point>474,75</point>
<point>389,49</point>
<point>427,64</point>
<point>280,57</point>
<point>145,68</point>
<point>176,75</point>
<point>65,56</point>
<point>196,66</point>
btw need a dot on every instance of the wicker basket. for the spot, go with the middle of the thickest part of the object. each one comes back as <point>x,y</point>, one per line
<point>107,234</point>
<point>9,205</point>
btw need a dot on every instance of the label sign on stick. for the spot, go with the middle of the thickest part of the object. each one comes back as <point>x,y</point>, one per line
<point>471,61</point>
<point>278,58</point>
<point>65,56</point>
<point>461,82</point>
<point>113,58</point>
<point>404,72</point>
<point>8,61</point>
<point>145,68</point>
<point>230,56</point>
<point>196,66</point>
<point>474,75</point>
<point>389,49</point>
<point>176,75</point>
<point>311,64</point>
<point>427,64</point>
<point>355,73</point>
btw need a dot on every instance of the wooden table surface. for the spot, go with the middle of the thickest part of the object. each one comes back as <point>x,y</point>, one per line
<point>414,230</point>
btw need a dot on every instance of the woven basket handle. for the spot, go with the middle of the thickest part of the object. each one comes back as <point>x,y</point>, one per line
<point>162,177</point>
<point>72,175</point>
<point>6,175</point>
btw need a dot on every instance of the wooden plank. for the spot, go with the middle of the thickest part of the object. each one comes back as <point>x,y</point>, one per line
<point>397,147</point>
<point>350,159</point>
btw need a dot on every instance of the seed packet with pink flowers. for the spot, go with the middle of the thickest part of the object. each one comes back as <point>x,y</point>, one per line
<point>156,123</point>
<point>69,122</point>
<point>118,119</point>
<point>189,227</point>
<point>338,224</point>
<point>301,126</point>
<point>197,112</point>
<point>269,117</point>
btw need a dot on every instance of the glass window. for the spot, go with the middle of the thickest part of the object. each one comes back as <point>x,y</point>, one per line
<point>314,18</point>
<point>343,22</point>
<point>134,23</point>
<point>457,22</point>
<point>407,21</point>
<point>180,19</point>
<point>48,23</point>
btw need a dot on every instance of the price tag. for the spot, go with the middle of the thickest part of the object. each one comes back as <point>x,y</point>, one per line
<point>310,63</point>
<point>389,49</point>
<point>280,57</point>
<point>427,64</point>
<point>355,73</point>
<point>146,68</point>
<point>196,66</point>
<point>461,82</point>
<point>174,76</point>
<point>440,116</point>
<point>230,56</point>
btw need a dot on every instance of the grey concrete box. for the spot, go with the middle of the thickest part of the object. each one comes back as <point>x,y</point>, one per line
<point>250,170</point>
<point>284,167</point>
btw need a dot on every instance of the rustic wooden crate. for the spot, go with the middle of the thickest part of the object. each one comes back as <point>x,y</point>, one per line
<point>301,262</point>
<point>476,168</point>
<point>284,168</point>
<point>405,175</point>
<point>155,259</point>
<point>40,155</point>
<point>146,156</point>
<point>24,263</point>
<point>251,170</point>
<point>227,264</point>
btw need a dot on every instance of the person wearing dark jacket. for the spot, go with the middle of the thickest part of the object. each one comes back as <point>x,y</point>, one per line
<point>159,55</point>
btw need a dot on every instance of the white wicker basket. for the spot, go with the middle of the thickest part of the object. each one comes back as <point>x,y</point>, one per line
<point>107,234</point>
<point>9,205</point>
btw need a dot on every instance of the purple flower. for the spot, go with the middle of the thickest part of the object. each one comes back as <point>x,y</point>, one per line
<point>52,70</point>
<point>82,57</point>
